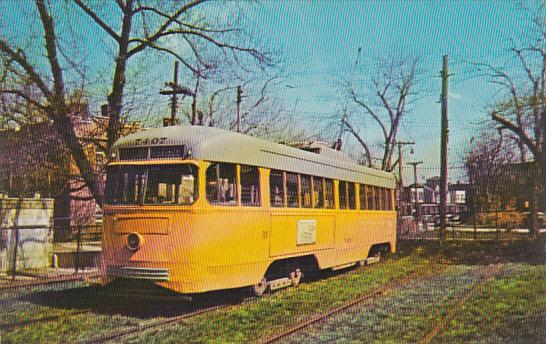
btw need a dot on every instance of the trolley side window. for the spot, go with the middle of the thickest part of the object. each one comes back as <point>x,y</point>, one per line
<point>250,186</point>
<point>383,198</point>
<point>222,184</point>
<point>377,198</point>
<point>369,193</point>
<point>318,190</point>
<point>292,190</point>
<point>342,195</point>
<point>363,197</point>
<point>305,183</point>
<point>276,189</point>
<point>351,195</point>
<point>389,199</point>
<point>329,193</point>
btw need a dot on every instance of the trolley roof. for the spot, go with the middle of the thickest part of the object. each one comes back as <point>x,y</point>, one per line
<point>218,145</point>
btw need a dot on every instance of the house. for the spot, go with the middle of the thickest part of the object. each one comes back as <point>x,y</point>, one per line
<point>423,200</point>
<point>33,161</point>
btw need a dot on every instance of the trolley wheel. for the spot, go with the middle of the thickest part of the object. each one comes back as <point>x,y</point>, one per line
<point>295,277</point>
<point>259,288</point>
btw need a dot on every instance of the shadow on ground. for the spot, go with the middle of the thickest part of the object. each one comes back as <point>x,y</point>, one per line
<point>120,299</point>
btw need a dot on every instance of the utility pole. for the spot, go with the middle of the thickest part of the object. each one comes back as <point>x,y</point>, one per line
<point>174,90</point>
<point>415,164</point>
<point>400,164</point>
<point>239,98</point>
<point>443,153</point>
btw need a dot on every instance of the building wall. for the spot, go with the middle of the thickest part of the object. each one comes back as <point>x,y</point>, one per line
<point>28,222</point>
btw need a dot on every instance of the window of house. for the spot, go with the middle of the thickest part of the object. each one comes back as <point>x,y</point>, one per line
<point>305,187</point>
<point>351,197</point>
<point>318,200</point>
<point>342,195</point>
<point>371,198</point>
<point>276,188</point>
<point>292,190</point>
<point>250,186</point>
<point>329,195</point>
<point>363,199</point>
<point>222,184</point>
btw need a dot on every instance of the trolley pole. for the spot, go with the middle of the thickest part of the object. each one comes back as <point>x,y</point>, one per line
<point>443,153</point>
<point>239,98</point>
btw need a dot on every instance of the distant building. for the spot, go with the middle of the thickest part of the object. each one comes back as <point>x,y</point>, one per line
<point>425,199</point>
<point>505,188</point>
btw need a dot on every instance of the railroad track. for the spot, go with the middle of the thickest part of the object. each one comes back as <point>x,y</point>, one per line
<point>9,326</point>
<point>490,273</point>
<point>118,335</point>
<point>50,281</point>
<point>379,291</point>
<point>138,329</point>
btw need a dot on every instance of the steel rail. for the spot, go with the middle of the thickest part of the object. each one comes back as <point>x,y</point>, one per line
<point>56,280</point>
<point>490,273</point>
<point>145,327</point>
<point>137,329</point>
<point>379,291</point>
<point>9,326</point>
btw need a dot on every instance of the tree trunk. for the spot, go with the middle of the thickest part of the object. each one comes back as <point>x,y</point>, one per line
<point>115,99</point>
<point>65,129</point>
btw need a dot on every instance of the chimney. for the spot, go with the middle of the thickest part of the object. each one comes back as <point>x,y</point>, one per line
<point>104,110</point>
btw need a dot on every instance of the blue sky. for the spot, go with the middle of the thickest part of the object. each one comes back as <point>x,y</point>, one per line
<point>318,42</point>
<point>321,38</point>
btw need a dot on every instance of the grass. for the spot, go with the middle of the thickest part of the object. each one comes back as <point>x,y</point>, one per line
<point>495,312</point>
<point>510,309</point>
<point>258,320</point>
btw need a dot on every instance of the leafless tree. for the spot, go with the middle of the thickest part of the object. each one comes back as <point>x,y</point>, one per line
<point>159,25</point>
<point>490,163</point>
<point>385,98</point>
<point>134,27</point>
<point>522,111</point>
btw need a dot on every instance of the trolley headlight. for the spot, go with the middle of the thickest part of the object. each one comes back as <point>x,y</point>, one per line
<point>134,240</point>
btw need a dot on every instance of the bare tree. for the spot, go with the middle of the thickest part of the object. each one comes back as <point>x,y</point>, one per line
<point>52,100</point>
<point>160,24</point>
<point>489,164</point>
<point>384,98</point>
<point>523,108</point>
<point>134,26</point>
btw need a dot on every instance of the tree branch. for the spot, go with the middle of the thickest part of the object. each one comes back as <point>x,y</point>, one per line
<point>517,130</point>
<point>22,61</point>
<point>97,20</point>
<point>26,97</point>
<point>360,140</point>
<point>371,112</point>
<point>159,33</point>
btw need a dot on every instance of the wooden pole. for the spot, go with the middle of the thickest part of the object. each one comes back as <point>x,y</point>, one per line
<point>443,153</point>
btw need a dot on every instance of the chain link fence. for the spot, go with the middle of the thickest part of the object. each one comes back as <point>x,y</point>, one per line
<point>34,254</point>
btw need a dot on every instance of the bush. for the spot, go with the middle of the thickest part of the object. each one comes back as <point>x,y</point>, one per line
<point>506,219</point>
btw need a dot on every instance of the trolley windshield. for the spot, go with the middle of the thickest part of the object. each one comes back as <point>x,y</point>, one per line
<point>155,184</point>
